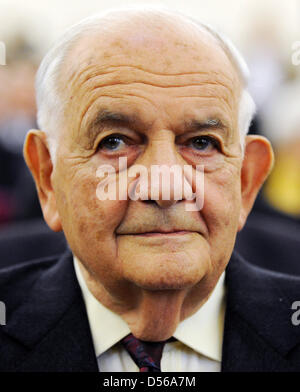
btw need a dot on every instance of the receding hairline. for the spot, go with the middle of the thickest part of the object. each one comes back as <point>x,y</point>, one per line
<point>171,18</point>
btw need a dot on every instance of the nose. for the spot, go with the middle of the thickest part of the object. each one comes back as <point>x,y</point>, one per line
<point>165,170</point>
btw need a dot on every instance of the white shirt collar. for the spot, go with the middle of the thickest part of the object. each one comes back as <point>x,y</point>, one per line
<point>203,331</point>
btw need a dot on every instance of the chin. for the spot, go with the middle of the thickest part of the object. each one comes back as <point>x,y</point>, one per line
<point>166,274</point>
<point>164,263</point>
<point>164,283</point>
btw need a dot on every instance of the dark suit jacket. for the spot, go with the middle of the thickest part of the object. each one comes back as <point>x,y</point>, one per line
<point>270,242</point>
<point>47,327</point>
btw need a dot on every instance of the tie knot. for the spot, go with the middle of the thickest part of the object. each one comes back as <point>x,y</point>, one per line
<point>146,355</point>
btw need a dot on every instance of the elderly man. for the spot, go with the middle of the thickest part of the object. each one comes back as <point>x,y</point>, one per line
<point>145,278</point>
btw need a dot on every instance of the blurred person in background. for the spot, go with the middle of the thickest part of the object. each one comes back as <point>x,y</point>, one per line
<point>18,199</point>
<point>281,124</point>
<point>266,63</point>
<point>269,60</point>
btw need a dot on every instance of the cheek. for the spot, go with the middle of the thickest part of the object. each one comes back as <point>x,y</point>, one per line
<point>89,223</point>
<point>221,209</point>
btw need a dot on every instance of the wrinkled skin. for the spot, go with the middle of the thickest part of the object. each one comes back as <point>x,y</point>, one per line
<point>166,77</point>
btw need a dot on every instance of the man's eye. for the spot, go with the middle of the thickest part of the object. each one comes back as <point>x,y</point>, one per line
<point>112,143</point>
<point>203,143</point>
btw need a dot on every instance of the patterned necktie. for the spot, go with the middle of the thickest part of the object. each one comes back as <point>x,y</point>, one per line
<point>146,355</point>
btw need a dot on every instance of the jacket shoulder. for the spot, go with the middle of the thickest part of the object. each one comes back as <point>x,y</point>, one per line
<point>259,280</point>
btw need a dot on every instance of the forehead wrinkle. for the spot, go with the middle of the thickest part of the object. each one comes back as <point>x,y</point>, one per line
<point>97,67</point>
<point>135,91</point>
<point>105,76</point>
<point>141,124</point>
<point>231,109</point>
<point>140,68</point>
<point>95,82</point>
<point>127,76</point>
<point>104,69</point>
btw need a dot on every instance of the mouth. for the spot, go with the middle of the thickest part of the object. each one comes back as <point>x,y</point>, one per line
<point>160,233</point>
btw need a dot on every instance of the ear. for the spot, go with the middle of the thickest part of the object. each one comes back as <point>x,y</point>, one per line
<point>257,164</point>
<point>38,160</point>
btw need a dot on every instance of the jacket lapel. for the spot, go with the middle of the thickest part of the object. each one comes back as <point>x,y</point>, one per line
<point>258,332</point>
<point>52,324</point>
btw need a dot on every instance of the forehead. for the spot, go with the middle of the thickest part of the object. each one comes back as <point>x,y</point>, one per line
<point>170,48</point>
<point>122,58</point>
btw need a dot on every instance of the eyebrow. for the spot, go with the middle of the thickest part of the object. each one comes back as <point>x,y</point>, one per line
<point>210,123</point>
<point>105,116</point>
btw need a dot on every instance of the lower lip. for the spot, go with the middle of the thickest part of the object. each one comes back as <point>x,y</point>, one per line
<point>174,233</point>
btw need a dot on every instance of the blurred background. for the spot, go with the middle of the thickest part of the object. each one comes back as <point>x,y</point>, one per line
<point>266,32</point>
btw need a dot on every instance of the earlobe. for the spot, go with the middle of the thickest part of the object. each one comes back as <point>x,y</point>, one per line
<point>38,160</point>
<point>257,164</point>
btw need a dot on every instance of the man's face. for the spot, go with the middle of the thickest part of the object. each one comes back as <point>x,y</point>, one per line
<point>149,97</point>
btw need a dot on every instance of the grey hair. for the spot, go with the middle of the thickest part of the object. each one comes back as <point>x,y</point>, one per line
<point>50,105</point>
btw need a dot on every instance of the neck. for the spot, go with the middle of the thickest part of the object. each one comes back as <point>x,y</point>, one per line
<point>153,317</point>
<point>157,316</point>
